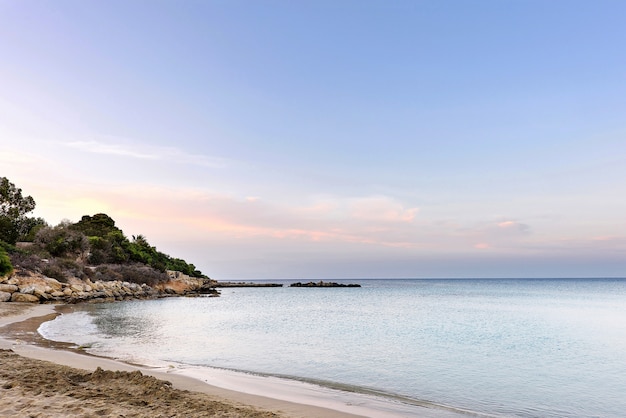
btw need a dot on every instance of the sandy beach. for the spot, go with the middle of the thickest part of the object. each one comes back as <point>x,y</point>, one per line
<point>39,378</point>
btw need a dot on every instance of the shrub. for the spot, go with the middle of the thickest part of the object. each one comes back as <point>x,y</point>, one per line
<point>106,274</point>
<point>70,267</point>
<point>60,240</point>
<point>54,271</point>
<point>5,263</point>
<point>143,274</point>
<point>29,262</point>
<point>133,273</point>
<point>98,257</point>
<point>89,272</point>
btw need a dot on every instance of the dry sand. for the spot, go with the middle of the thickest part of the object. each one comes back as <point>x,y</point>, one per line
<point>41,379</point>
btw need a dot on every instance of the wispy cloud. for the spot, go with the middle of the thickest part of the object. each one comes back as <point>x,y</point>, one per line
<point>385,222</point>
<point>142,151</point>
<point>513,226</point>
<point>381,209</point>
<point>96,147</point>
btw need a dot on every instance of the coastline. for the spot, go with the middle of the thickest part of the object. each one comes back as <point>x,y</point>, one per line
<point>25,319</point>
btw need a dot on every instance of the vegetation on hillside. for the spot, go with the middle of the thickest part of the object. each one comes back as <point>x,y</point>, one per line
<point>92,247</point>
<point>5,263</point>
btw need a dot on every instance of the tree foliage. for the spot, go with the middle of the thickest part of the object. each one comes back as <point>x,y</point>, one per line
<point>141,251</point>
<point>13,209</point>
<point>94,240</point>
<point>98,225</point>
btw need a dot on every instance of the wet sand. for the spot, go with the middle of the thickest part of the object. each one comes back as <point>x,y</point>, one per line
<point>39,378</point>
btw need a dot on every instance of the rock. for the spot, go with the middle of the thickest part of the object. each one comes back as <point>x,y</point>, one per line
<point>43,296</point>
<point>97,295</point>
<point>77,288</point>
<point>8,288</point>
<point>42,292</point>
<point>323,284</point>
<point>23,297</point>
<point>28,290</point>
<point>239,284</point>
<point>33,287</point>
<point>54,284</point>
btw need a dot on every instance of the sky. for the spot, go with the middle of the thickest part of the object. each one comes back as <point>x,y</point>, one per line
<point>279,139</point>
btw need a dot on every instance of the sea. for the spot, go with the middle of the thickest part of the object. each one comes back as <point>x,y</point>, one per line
<point>390,348</point>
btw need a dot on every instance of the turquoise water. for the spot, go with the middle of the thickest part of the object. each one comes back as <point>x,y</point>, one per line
<point>528,348</point>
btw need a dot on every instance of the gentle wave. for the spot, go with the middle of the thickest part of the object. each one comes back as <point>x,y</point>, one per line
<point>525,348</point>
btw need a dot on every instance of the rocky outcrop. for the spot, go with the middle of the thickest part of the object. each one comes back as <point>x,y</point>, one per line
<point>246,284</point>
<point>323,284</point>
<point>32,287</point>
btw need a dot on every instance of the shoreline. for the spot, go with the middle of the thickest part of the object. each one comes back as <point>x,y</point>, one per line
<point>25,319</point>
<point>275,395</point>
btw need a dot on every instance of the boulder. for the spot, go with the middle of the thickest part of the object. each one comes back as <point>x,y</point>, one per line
<point>5,296</point>
<point>77,288</point>
<point>42,292</point>
<point>8,288</point>
<point>23,297</point>
<point>28,290</point>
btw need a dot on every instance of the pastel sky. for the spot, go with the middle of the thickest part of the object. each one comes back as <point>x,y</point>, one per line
<point>328,139</point>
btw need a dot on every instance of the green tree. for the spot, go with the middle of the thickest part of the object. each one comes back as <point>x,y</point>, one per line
<point>98,225</point>
<point>13,209</point>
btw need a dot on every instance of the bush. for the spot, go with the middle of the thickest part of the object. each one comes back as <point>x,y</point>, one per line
<point>9,248</point>
<point>89,272</point>
<point>5,263</point>
<point>97,257</point>
<point>60,241</point>
<point>29,262</point>
<point>55,272</point>
<point>70,268</point>
<point>133,273</point>
<point>143,274</point>
<point>106,274</point>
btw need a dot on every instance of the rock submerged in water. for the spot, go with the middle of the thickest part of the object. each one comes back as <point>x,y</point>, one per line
<point>323,284</point>
<point>246,284</point>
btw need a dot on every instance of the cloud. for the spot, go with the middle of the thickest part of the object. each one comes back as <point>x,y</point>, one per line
<point>196,212</point>
<point>513,226</point>
<point>18,158</point>
<point>381,209</point>
<point>492,235</point>
<point>142,151</point>
<point>96,147</point>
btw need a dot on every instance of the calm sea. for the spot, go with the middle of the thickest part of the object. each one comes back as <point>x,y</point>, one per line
<point>527,348</point>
